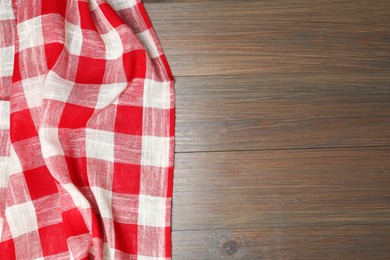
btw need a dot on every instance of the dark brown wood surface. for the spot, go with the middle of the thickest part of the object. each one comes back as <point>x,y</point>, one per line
<point>283,127</point>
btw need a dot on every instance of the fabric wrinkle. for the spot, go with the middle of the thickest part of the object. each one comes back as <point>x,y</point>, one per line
<point>86,103</point>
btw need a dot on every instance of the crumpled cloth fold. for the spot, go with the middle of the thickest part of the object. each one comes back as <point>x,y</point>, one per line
<point>86,132</point>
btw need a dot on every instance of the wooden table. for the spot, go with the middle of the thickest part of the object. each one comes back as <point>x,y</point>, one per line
<point>283,127</point>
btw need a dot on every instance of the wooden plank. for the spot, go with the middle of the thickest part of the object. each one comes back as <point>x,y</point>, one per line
<point>279,75</point>
<point>282,111</point>
<point>268,189</point>
<point>282,36</point>
<point>318,242</point>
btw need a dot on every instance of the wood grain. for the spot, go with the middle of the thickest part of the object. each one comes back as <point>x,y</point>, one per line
<point>311,242</point>
<point>283,127</point>
<point>282,188</point>
<point>284,111</point>
<point>283,36</point>
<point>298,204</point>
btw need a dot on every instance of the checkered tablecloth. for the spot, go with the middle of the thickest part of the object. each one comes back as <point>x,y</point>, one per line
<point>86,132</point>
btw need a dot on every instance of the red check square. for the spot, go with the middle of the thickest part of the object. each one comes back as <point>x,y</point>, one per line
<point>113,18</point>
<point>53,239</point>
<point>40,182</point>
<point>74,116</point>
<point>54,7</point>
<point>134,64</point>
<point>77,168</point>
<point>126,237</point>
<point>90,70</point>
<point>86,22</point>
<point>126,178</point>
<point>22,120</point>
<point>129,120</point>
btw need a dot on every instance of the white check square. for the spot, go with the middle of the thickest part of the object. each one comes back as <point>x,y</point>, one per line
<point>4,114</point>
<point>113,43</point>
<point>6,61</point>
<point>122,4</point>
<point>155,151</point>
<point>73,38</point>
<point>157,94</point>
<point>108,93</point>
<point>109,253</point>
<point>33,90</point>
<point>6,10</point>
<point>104,201</point>
<point>15,165</point>
<point>57,88</point>
<point>77,197</point>
<point>21,218</point>
<point>100,144</point>
<point>152,211</point>
<point>4,168</point>
<point>50,142</point>
<point>30,33</point>
<point>150,45</point>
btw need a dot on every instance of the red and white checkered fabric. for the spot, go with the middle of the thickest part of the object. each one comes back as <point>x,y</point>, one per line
<point>86,132</point>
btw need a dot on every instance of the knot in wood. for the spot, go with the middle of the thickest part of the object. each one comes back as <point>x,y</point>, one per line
<point>230,247</point>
